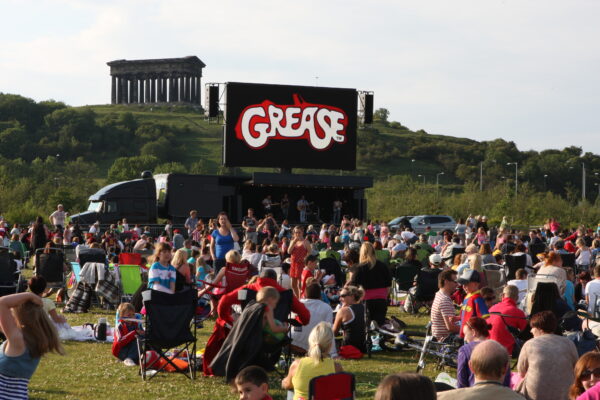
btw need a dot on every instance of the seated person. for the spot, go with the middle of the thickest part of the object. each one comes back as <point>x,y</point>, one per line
<point>310,270</point>
<point>319,312</point>
<point>235,274</point>
<point>331,289</point>
<point>508,307</point>
<point>129,326</point>
<point>252,383</point>
<point>473,305</point>
<point>37,285</point>
<point>443,315</point>
<point>273,329</point>
<point>406,385</point>
<point>317,362</point>
<point>162,275</point>
<point>351,319</point>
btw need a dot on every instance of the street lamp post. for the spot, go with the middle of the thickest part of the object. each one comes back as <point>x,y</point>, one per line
<point>437,180</point>
<point>582,181</point>
<point>481,176</point>
<point>545,176</point>
<point>422,176</point>
<point>412,168</point>
<point>516,164</point>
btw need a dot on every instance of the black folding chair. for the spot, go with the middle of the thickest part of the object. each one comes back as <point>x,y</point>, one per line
<point>535,249</point>
<point>568,260</point>
<point>10,277</point>
<point>513,263</point>
<point>91,255</point>
<point>50,264</point>
<point>168,325</point>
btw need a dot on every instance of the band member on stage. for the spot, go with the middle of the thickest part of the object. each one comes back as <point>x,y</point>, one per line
<point>267,204</point>
<point>249,224</point>
<point>302,205</point>
<point>337,211</point>
<point>285,206</point>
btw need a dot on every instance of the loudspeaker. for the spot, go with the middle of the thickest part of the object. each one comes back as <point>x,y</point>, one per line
<point>368,108</point>
<point>212,101</point>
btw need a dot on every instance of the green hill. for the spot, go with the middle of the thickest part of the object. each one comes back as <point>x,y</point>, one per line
<point>50,152</point>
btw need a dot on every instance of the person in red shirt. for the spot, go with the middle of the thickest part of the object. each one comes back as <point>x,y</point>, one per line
<point>510,315</point>
<point>268,277</point>
<point>473,305</point>
<point>310,264</point>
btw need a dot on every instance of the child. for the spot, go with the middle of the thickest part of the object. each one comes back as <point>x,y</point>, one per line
<point>129,325</point>
<point>162,274</point>
<point>284,279</point>
<point>202,269</point>
<point>331,289</point>
<point>252,383</point>
<point>273,330</point>
<point>37,285</point>
<point>310,265</point>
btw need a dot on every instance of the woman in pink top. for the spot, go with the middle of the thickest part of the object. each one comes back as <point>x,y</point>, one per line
<point>384,233</point>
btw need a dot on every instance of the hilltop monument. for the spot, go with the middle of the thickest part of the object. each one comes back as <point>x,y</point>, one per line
<point>162,80</point>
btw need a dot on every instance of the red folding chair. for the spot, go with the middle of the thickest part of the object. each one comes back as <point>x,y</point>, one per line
<point>130,259</point>
<point>338,386</point>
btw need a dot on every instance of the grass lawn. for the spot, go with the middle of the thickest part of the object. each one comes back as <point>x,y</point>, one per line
<point>89,371</point>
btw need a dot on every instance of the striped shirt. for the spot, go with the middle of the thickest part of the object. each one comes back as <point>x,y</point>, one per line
<point>441,309</point>
<point>13,388</point>
<point>161,277</point>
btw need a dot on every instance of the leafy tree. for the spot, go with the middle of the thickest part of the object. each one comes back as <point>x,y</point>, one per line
<point>127,168</point>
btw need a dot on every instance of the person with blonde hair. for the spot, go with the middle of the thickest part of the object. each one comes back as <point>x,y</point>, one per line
<point>29,335</point>
<point>376,279</point>
<point>316,363</point>
<point>184,274</point>
<point>350,318</point>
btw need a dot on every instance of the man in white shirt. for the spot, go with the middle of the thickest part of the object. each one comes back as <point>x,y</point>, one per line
<point>592,290</point>
<point>302,205</point>
<point>521,283</point>
<point>57,218</point>
<point>319,311</point>
<point>141,244</point>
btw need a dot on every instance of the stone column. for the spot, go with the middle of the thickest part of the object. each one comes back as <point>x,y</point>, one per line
<point>142,90</point>
<point>122,91</point>
<point>172,90</point>
<point>134,90</point>
<point>198,89</point>
<point>147,91</point>
<point>113,89</point>
<point>164,90</point>
<point>187,94</point>
<point>153,90</point>
<point>181,88</point>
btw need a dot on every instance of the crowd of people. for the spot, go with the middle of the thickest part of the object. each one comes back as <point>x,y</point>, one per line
<point>282,263</point>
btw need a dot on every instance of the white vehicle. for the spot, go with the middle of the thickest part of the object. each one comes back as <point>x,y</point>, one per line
<point>438,223</point>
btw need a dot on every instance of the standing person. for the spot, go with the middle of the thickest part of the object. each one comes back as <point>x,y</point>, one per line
<point>337,211</point>
<point>285,206</point>
<point>267,204</point>
<point>298,250</point>
<point>223,239</point>
<point>302,205</point>
<point>29,335</point>
<point>39,234</point>
<point>592,291</point>
<point>57,218</point>
<point>375,278</point>
<point>249,224</point>
<point>191,222</point>
<point>546,362</point>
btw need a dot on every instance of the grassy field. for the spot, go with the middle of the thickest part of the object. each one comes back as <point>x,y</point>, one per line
<point>89,371</point>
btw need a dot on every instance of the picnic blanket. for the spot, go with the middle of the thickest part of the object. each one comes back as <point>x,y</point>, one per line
<point>82,333</point>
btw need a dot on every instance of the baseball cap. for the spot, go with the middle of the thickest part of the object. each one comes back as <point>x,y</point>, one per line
<point>469,275</point>
<point>435,259</point>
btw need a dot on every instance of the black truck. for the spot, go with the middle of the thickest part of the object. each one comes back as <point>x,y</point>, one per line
<point>172,196</point>
<point>169,196</point>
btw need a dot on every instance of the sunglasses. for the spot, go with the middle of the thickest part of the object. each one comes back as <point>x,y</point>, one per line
<point>344,294</point>
<point>587,374</point>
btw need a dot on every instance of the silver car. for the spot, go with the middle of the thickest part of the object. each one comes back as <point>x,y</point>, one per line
<point>438,223</point>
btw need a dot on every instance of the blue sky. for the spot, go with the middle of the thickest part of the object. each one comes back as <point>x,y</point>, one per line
<point>525,71</point>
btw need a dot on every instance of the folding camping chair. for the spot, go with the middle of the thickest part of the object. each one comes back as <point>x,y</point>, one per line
<point>330,254</point>
<point>513,263</point>
<point>10,277</point>
<point>568,260</point>
<point>403,277</point>
<point>130,259</point>
<point>536,248</point>
<point>423,293</point>
<point>50,264</point>
<point>495,277</point>
<point>384,256</point>
<point>131,280</point>
<point>168,325</point>
<point>338,386</point>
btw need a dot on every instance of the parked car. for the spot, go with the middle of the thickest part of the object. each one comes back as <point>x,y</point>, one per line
<point>438,223</point>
